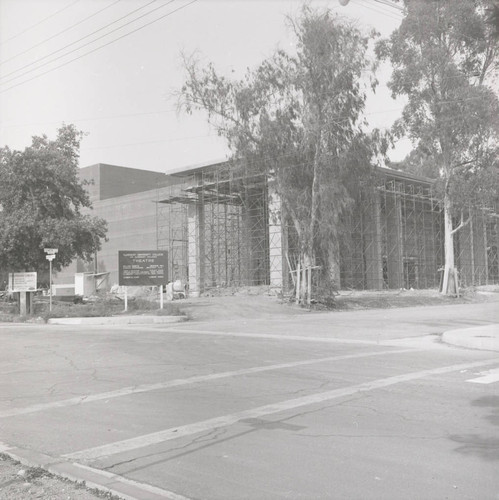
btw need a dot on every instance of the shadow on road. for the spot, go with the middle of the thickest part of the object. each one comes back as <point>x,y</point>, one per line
<point>480,445</point>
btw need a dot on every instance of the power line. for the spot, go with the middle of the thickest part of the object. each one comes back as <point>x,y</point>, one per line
<point>369,5</point>
<point>161,141</point>
<point>96,118</point>
<point>390,4</point>
<point>39,22</point>
<point>59,33</point>
<point>101,47</point>
<point>79,40</point>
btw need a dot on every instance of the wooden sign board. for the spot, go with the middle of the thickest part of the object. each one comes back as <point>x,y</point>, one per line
<point>142,267</point>
<point>22,282</point>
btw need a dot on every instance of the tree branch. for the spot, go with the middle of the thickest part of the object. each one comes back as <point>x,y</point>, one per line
<point>461,224</point>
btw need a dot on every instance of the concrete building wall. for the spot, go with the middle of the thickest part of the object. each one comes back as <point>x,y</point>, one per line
<point>131,226</point>
<point>111,181</point>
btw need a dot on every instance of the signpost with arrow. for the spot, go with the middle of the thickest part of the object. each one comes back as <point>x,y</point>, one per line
<point>50,257</point>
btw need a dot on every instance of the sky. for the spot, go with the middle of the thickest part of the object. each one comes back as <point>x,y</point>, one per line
<point>111,67</point>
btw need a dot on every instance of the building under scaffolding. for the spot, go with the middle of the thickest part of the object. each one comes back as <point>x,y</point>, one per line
<point>222,228</point>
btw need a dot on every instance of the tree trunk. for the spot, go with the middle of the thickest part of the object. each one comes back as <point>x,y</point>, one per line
<point>333,265</point>
<point>308,262</point>
<point>449,285</point>
<point>333,258</point>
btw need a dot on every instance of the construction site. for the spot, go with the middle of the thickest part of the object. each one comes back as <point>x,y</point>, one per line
<point>223,228</point>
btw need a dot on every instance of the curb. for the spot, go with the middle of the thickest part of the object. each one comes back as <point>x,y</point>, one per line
<point>92,478</point>
<point>480,337</point>
<point>118,320</point>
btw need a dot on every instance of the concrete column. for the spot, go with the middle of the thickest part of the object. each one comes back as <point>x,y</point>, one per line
<point>478,228</point>
<point>395,246</point>
<point>372,245</point>
<point>254,232</point>
<point>464,250</point>
<point>196,247</point>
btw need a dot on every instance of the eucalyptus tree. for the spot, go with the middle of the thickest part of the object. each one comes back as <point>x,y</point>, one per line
<point>298,115</point>
<point>445,61</point>
<point>41,202</point>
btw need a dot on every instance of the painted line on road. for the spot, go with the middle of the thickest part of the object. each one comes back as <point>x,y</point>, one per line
<point>488,377</point>
<point>300,338</point>
<point>127,391</point>
<point>261,411</point>
<point>144,487</point>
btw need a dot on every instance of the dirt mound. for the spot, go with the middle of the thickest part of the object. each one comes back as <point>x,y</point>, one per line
<point>258,302</point>
<point>237,306</point>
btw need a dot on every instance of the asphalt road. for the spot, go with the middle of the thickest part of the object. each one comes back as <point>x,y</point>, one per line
<point>351,405</point>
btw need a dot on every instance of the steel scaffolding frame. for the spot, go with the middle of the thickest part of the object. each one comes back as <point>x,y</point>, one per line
<point>227,240</point>
<point>219,225</point>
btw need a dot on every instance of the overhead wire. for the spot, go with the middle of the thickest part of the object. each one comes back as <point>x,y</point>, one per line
<point>81,39</point>
<point>100,47</point>
<point>38,23</point>
<point>369,5</point>
<point>59,33</point>
<point>160,141</point>
<point>390,4</point>
<point>88,119</point>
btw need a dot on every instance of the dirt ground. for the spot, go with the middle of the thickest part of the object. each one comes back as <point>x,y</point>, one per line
<point>24,483</point>
<point>18,482</point>
<point>258,302</point>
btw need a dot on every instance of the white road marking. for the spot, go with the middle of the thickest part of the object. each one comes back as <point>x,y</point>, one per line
<point>126,391</point>
<point>487,377</point>
<point>298,338</point>
<point>143,486</point>
<point>230,419</point>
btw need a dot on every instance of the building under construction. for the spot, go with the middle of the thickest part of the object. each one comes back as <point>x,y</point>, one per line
<point>223,227</point>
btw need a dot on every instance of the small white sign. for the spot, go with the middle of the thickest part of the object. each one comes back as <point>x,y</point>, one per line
<point>22,282</point>
<point>50,256</point>
<point>51,251</point>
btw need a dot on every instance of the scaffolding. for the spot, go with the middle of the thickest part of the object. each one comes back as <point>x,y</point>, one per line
<point>223,227</point>
<point>215,224</point>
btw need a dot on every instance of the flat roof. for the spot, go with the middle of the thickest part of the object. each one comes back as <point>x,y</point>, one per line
<point>196,168</point>
<point>200,167</point>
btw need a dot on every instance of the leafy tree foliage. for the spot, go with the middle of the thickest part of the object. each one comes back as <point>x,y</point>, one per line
<point>299,116</point>
<point>445,58</point>
<point>41,202</point>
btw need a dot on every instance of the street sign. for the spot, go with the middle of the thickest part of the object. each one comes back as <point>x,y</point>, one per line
<point>50,256</point>
<point>22,282</point>
<point>143,267</point>
<point>51,251</point>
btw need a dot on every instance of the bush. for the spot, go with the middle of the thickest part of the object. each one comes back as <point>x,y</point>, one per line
<point>107,307</point>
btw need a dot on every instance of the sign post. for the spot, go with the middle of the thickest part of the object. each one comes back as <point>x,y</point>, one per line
<point>143,268</point>
<point>23,283</point>
<point>50,257</point>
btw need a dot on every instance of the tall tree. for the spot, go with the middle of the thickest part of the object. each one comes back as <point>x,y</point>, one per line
<point>444,55</point>
<point>299,116</point>
<point>41,202</point>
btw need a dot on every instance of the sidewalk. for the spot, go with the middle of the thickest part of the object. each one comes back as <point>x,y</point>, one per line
<point>118,320</point>
<point>480,337</point>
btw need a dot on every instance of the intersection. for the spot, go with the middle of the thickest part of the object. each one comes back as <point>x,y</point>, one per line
<point>365,404</point>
